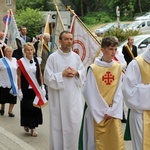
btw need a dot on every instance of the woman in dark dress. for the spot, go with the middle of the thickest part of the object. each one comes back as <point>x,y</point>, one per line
<point>30,84</point>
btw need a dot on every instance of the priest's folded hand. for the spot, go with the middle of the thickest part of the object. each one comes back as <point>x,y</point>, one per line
<point>68,73</point>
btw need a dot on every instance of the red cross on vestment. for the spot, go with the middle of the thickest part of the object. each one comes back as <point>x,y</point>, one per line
<point>108,78</point>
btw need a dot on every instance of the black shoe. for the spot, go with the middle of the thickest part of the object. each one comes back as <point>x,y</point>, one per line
<point>2,112</point>
<point>124,120</point>
<point>11,115</point>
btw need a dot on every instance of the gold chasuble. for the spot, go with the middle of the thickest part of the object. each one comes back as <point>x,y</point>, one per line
<point>145,75</point>
<point>108,133</point>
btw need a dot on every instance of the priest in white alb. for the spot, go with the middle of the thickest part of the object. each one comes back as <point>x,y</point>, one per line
<point>64,76</point>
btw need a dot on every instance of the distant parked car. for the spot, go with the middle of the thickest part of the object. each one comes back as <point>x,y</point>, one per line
<point>110,26</point>
<point>105,28</point>
<point>143,26</point>
<point>141,41</point>
<point>122,25</point>
<point>145,16</point>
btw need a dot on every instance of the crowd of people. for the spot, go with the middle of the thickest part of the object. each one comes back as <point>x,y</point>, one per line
<point>112,79</point>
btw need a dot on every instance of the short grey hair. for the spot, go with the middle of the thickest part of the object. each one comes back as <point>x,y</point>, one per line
<point>47,35</point>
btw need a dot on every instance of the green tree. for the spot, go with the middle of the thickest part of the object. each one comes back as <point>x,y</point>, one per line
<point>43,5</point>
<point>75,5</point>
<point>30,18</point>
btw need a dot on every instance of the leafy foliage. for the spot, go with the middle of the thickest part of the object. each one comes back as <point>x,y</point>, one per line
<point>42,5</point>
<point>97,17</point>
<point>75,5</point>
<point>30,18</point>
<point>128,8</point>
<point>121,34</point>
<point>91,12</point>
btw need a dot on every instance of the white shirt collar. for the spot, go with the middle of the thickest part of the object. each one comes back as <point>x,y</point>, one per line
<point>99,62</point>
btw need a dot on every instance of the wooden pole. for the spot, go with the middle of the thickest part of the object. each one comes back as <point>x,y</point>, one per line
<point>59,14</point>
<point>1,52</point>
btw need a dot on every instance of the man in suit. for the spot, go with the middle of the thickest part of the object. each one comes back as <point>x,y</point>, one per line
<point>129,50</point>
<point>23,34</point>
<point>20,42</point>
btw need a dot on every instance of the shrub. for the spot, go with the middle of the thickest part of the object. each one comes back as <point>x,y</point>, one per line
<point>97,17</point>
<point>30,18</point>
<point>121,34</point>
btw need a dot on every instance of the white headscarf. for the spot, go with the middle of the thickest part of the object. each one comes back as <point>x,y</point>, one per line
<point>146,54</point>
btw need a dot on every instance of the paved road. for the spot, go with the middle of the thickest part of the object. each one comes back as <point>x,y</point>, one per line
<point>10,127</point>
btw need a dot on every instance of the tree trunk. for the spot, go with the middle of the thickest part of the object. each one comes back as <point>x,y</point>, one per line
<point>82,14</point>
<point>139,3</point>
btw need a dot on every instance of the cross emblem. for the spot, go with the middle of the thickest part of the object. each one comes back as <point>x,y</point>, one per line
<point>108,78</point>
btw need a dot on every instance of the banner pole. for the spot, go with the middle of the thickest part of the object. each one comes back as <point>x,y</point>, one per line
<point>1,52</point>
<point>59,15</point>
